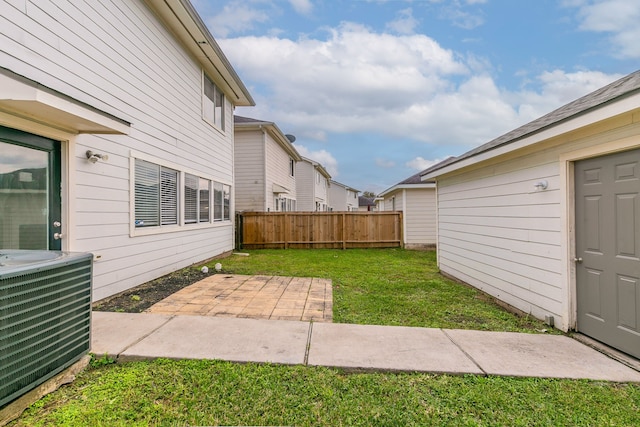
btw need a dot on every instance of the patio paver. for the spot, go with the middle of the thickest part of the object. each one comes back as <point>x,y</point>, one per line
<point>254,297</point>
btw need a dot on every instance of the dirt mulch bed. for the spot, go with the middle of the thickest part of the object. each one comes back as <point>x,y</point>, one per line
<point>140,298</point>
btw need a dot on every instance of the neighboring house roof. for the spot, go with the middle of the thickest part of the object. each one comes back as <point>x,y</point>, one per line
<point>273,129</point>
<point>414,181</point>
<point>366,201</point>
<point>618,90</point>
<point>181,17</point>
<point>318,166</point>
<point>346,187</point>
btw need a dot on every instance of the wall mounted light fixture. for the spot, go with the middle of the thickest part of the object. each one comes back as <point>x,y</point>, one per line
<point>541,185</point>
<point>94,157</point>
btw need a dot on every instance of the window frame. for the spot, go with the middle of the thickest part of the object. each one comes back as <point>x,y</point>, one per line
<point>209,106</point>
<point>181,225</point>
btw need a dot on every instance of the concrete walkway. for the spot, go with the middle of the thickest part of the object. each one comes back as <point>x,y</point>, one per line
<point>386,348</point>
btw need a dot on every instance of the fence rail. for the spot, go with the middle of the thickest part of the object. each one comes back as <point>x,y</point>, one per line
<point>315,230</point>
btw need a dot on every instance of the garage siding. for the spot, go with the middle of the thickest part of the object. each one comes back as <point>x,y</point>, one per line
<point>501,235</point>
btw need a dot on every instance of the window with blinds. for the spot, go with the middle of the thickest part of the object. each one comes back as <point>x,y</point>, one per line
<point>204,200</point>
<point>156,195</point>
<point>190,198</point>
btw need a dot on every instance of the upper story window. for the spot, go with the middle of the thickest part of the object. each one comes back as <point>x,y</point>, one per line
<point>213,104</point>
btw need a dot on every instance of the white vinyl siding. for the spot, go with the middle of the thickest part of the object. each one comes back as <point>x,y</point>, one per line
<point>499,234</point>
<point>249,171</point>
<point>278,166</point>
<point>305,184</point>
<point>420,217</point>
<point>105,54</point>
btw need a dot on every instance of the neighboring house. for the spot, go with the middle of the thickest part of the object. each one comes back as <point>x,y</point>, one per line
<point>342,197</point>
<point>417,201</point>
<point>265,167</point>
<point>312,181</point>
<point>116,127</point>
<point>547,216</point>
<point>366,204</point>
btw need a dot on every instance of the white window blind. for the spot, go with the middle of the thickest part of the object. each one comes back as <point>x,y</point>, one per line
<point>217,201</point>
<point>156,195</point>
<point>147,194</point>
<point>204,200</point>
<point>168,196</point>
<point>190,198</point>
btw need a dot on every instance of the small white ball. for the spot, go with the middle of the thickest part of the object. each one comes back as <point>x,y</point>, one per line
<point>205,269</point>
<point>218,266</point>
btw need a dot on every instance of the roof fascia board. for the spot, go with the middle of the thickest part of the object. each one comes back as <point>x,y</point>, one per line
<point>407,186</point>
<point>605,112</point>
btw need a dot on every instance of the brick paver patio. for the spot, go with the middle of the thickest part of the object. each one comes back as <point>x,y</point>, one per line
<point>256,297</point>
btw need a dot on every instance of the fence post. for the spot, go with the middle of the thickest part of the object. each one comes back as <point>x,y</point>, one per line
<point>239,230</point>
<point>286,230</point>
<point>344,241</point>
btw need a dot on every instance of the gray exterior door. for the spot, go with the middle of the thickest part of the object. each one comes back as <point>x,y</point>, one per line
<point>608,249</point>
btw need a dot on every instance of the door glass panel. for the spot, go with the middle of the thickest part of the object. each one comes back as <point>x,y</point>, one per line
<point>24,197</point>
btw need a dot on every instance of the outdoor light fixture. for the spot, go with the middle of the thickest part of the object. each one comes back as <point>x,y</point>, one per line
<point>94,157</point>
<point>541,185</point>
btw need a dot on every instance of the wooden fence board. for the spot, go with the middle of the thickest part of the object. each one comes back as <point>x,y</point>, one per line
<point>313,230</point>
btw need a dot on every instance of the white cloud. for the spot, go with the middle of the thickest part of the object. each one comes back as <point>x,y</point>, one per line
<point>619,18</point>
<point>385,164</point>
<point>323,157</point>
<point>421,164</point>
<point>404,23</point>
<point>556,88</point>
<point>399,86</point>
<point>235,17</point>
<point>303,7</point>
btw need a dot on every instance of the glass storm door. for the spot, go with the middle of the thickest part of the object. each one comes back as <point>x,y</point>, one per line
<point>30,203</point>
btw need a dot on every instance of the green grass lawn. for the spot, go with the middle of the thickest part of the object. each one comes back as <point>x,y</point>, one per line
<point>181,393</point>
<point>387,287</point>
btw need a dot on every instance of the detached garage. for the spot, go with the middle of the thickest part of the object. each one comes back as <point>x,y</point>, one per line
<point>547,217</point>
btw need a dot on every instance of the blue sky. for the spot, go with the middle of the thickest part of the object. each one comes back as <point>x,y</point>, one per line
<point>377,90</point>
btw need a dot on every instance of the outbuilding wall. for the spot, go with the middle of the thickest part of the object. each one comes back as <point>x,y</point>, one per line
<point>499,233</point>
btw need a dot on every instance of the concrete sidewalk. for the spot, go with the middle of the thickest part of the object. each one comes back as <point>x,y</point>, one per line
<point>362,347</point>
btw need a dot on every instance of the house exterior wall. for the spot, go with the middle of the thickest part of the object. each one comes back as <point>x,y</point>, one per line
<point>250,173</point>
<point>117,57</point>
<point>393,201</point>
<point>337,197</point>
<point>501,235</point>
<point>305,186</point>
<point>352,201</point>
<point>420,218</point>
<point>278,172</point>
<point>321,191</point>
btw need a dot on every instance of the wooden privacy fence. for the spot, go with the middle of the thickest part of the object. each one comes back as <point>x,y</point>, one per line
<point>315,230</point>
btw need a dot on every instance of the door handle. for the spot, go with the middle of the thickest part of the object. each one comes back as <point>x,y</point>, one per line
<point>57,236</point>
<point>578,260</point>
